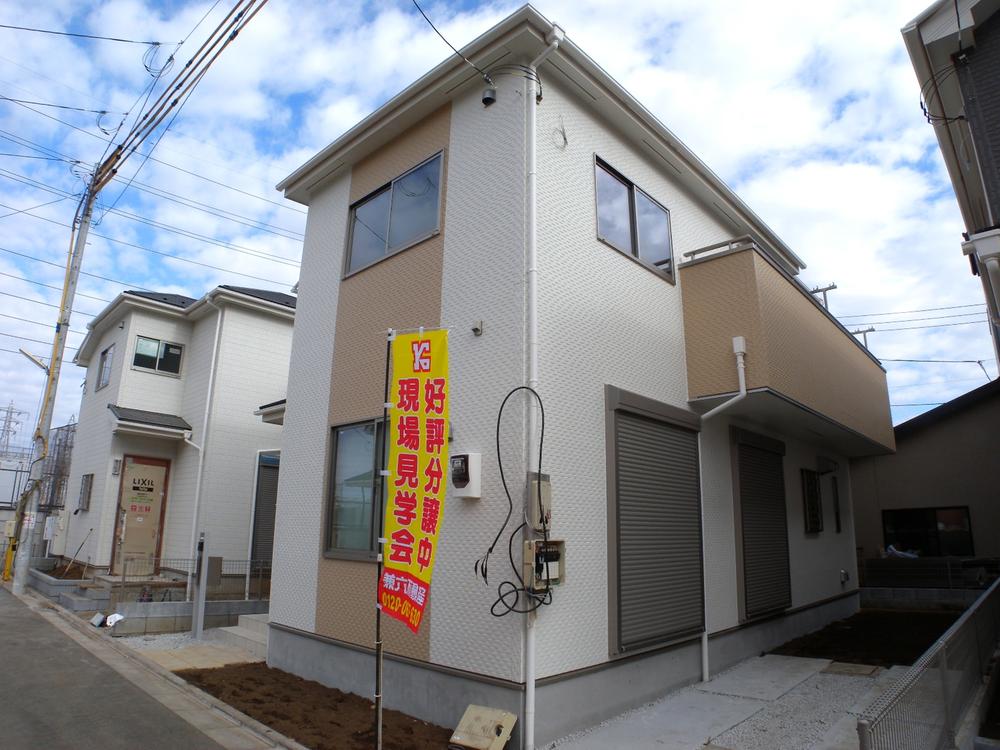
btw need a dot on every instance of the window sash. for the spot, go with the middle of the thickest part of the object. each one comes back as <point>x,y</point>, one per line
<point>86,487</point>
<point>368,527</point>
<point>359,256</point>
<point>158,352</point>
<point>104,367</point>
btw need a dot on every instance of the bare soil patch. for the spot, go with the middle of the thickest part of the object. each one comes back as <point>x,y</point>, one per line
<point>319,717</point>
<point>880,637</point>
<point>72,573</point>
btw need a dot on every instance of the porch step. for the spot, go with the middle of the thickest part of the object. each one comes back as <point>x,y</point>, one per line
<point>244,638</point>
<point>81,603</point>
<point>256,623</point>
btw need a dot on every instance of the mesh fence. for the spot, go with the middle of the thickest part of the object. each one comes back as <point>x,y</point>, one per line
<point>923,710</point>
<point>165,579</point>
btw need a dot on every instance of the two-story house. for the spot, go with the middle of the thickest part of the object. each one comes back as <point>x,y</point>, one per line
<point>954,46</point>
<point>167,444</point>
<point>700,406</point>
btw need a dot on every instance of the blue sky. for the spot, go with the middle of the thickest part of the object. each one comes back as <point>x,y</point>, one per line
<point>809,111</point>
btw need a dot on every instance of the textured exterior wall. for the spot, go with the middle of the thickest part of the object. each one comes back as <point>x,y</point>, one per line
<point>253,369</point>
<point>791,346</point>
<point>302,488</point>
<point>91,448</point>
<point>483,280</point>
<point>603,319</point>
<point>951,462</point>
<point>980,85</point>
<point>370,302</point>
<point>153,391</point>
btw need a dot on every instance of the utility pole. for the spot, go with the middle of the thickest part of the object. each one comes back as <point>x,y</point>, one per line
<point>823,290</point>
<point>864,334</point>
<point>19,551</point>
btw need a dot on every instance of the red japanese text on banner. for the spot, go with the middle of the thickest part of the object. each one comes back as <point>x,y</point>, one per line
<point>418,465</point>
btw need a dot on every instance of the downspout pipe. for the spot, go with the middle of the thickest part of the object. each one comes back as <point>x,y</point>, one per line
<point>553,39</point>
<point>195,516</point>
<point>740,350</point>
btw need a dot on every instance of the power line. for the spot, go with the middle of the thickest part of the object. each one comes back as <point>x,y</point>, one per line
<point>52,286</point>
<point>933,403</point>
<point>942,361</point>
<point>480,70</point>
<point>35,341</point>
<point>156,252</point>
<point>907,312</point>
<point>62,265</point>
<point>30,156</point>
<point>47,304</point>
<point>32,208</point>
<point>933,382</point>
<point>915,320</point>
<point>939,325</point>
<point>80,36</point>
<point>38,323</point>
<point>57,106</point>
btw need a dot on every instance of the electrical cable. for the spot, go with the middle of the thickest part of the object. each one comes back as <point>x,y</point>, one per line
<point>939,325</point>
<point>507,589</point>
<point>907,312</point>
<point>82,273</point>
<point>50,286</point>
<point>942,361</point>
<point>47,304</point>
<point>478,69</point>
<point>49,325</point>
<point>32,208</point>
<point>35,341</point>
<point>80,36</point>
<point>57,106</point>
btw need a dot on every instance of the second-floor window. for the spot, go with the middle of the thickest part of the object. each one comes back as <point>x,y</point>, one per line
<point>104,367</point>
<point>396,215</point>
<point>153,354</point>
<point>631,221</point>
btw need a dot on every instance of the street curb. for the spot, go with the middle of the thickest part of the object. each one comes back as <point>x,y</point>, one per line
<point>35,602</point>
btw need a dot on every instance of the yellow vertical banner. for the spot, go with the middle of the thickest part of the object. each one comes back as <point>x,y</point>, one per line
<point>418,464</point>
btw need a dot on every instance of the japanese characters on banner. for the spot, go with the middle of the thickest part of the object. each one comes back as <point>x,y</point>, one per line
<point>418,464</point>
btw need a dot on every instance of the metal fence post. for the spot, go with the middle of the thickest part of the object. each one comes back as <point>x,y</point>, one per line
<point>865,734</point>
<point>949,722</point>
<point>198,608</point>
<point>121,588</point>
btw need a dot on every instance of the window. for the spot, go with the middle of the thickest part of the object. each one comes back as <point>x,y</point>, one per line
<point>812,509</point>
<point>930,532</point>
<point>86,485</point>
<point>104,367</point>
<point>396,216</point>
<point>631,221</point>
<point>352,523</point>
<point>153,354</point>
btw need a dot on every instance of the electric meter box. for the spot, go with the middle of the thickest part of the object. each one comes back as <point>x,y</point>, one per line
<point>465,475</point>
<point>539,555</point>
<point>536,498</point>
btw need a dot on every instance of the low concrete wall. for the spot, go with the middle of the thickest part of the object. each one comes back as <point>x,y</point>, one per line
<point>49,586</point>
<point>175,617</point>
<point>565,703</point>
<point>899,598</point>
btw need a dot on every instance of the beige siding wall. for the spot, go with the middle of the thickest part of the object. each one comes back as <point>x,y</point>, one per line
<point>953,462</point>
<point>792,347</point>
<point>403,291</point>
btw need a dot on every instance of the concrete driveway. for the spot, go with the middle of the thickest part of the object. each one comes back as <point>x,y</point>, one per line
<point>765,703</point>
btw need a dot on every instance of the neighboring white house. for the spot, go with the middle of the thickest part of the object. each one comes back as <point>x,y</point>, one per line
<point>167,443</point>
<point>736,528</point>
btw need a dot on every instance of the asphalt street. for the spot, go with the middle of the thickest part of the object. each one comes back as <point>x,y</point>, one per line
<point>54,694</point>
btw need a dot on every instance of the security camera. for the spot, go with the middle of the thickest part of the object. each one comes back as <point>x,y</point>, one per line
<point>489,96</point>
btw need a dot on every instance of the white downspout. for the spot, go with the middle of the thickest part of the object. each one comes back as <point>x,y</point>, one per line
<point>554,37</point>
<point>740,350</point>
<point>195,516</point>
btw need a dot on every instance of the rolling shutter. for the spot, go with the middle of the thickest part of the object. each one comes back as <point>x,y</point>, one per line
<point>659,532</point>
<point>767,586</point>
<point>266,504</point>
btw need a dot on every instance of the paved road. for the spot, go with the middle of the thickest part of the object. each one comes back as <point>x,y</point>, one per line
<point>54,694</point>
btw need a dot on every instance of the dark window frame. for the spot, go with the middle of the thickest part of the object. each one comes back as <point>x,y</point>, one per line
<point>931,509</point>
<point>86,489</point>
<point>104,365</point>
<point>330,551</point>
<point>812,502</point>
<point>666,268</point>
<point>161,345</point>
<point>389,250</point>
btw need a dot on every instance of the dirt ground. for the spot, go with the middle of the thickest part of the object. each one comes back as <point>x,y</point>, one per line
<point>879,637</point>
<point>74,572</point>
<point>319,717</point>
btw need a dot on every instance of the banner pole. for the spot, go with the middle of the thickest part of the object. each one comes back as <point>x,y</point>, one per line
<point>381,530</point>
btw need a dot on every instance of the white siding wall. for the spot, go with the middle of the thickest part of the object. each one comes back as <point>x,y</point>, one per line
<point>303,460</point>
<point>253,369</point>
<point>153,391</point>
<point>483,280</point>
<point>91,455</point>
<point>603,319</point>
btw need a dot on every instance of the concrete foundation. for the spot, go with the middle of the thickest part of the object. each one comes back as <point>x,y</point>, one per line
<point>565,703</point>
<point>910,598</point>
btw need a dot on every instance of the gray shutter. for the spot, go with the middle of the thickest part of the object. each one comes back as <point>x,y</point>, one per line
<point>659,532</point>
<point>766,581</point>
<point>263,519</point>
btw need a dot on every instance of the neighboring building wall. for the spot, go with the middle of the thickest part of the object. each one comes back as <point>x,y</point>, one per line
<point>980,85</point>
<point>253,364</point>
<point>952,462</point>
<point>91,450</point>
<point>603,320</point>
